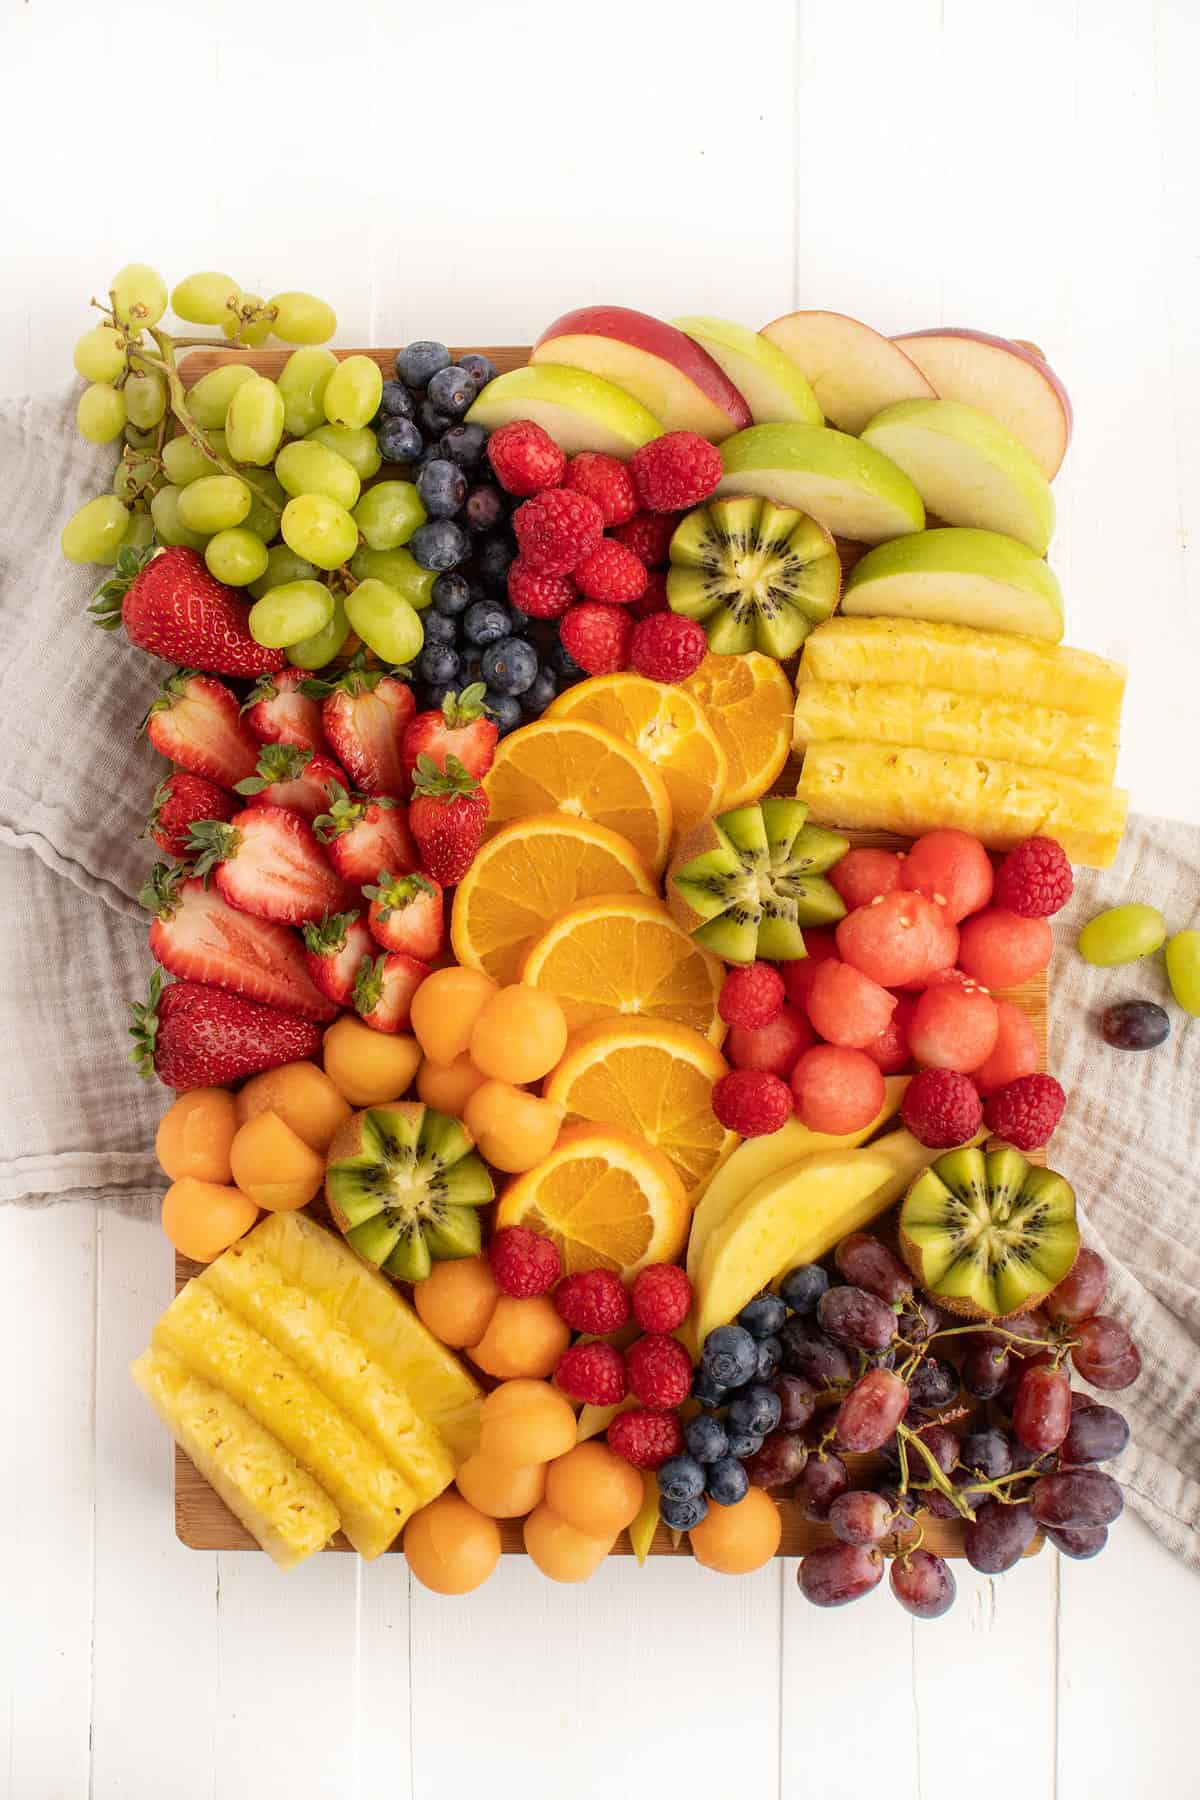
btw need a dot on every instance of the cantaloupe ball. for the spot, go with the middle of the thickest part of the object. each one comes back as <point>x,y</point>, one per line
<point>514,1130</point>
<point>304,1097</point>
<point>194,1135</point>
<point>451,1547</point>
<point>520,1035</point>
<point>457,1299</point>
<point>560,1551</point>
<point>444,1010</point>
<point>369,1068</point>
<point>448,1086</point>
<point>734,1540</point>
<point>523,1337</point>
<point>202,1218</point>
<point>594,1490</point>
<point>526,1422</point>
<point>272,1166</point>
<point>499,1489</point>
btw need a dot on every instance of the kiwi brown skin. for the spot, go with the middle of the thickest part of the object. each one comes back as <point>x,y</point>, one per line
<point>347,1141</point>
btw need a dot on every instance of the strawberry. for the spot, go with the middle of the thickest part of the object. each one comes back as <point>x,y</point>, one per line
<point>460,727</point>
<point>383,990</point>
<point>195,723</point>
<point>172,607</point>
<point>406,914</point>
<point>196,936</point>
<point>288,776</point>
<point>277,712</point>
<point>364,714</point>
<point>195,1036</point>
<point>447,818</point>
<point>266,861</point>
<point>362,835</point>
<point>178,802</point>
<point>334,951</point>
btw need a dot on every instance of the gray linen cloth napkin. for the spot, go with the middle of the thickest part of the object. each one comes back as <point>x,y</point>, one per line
<point>74,788</point>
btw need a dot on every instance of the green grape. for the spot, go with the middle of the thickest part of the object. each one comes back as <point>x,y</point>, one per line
<point>1121,935</point>
<point>285,615</point>
<point>400,569</point>
<point>389,513</point>
<point>139,533</point>
<point>353,392</point>
<point>302,382</point>
<point>94,533</point>
<point>100,414</point>
<point>254,422</point>
<point>100,354</point>
<point>184,460</point>
<point>307,468</point>
<point>282,565</point>
<point>358,447</point>
<point>244,326</point>
<point>1183,970</point>
<point>236,556</point>
<point>209,400</point>
<point>213,503</point>
<point>320,529</point>
<point>171,530</point>
<point>263,520</point>
<point>145,398</point>
<point>302,319</point>
<point>314,652</point>
<point>139,294</point>
<point>205,299</point>
<point>141,440</point>
<point>135,474</point>
<point>385,621</point>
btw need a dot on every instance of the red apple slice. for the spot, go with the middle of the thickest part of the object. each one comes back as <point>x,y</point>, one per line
<point>855,372</point>
<point>1000,376</point>
<point>663,368</point>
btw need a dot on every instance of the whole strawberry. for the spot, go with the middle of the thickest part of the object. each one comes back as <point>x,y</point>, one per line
<point>447,817</point>
<point>178,803</point>
<point>172,607</point>
<point>192,1036</point>
<point>460,727</point>
<point>195,722</point>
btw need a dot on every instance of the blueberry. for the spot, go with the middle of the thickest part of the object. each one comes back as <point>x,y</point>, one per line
<point>463,444</point>
<point>485,508</point>
<point>537,697</point>
<point>681,1478</point>
<point>451,596</point>
<point>763,1316</point>
<point>441,488</point>
<point>417,363</point>
<point>728,1482</point>
<point>430,453</point>
<point>452,389</point>
<point>505,711</point>
<point>472,668</point>
<point>729,1356</point>
<point>439,629</point>
<point>486,622</point>
<point>770,1350</point>
<point>398,440</point>
<point>438,664</point>
<point>562,660</point>
<point>743,1443</point>
<point>510,665</point>
<point>521,621</point>
<point>682,1515</point>
<point>705,1438</point>
<point>493,556</point>
<point>440,545</point>
<point>801,1288</point>
<point>757,1409</point>
<point>395,402</point>
<point>707,1391</point>
<point>436,693</point>
<point>478,368</point>
<point>433,420</point>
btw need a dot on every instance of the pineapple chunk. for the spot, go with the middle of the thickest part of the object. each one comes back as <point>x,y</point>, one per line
<point>374,1499</point>
<point>1044,737</point>
<point>261,1484</point>
<point>294,1321</point>
<point>990,663</point>
<point>367,1304</point>
<point>885,787</point>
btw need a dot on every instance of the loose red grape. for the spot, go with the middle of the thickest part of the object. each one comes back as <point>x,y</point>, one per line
<point>822,1479</point>
<point>1135,1025</point>
<point>867,1263</point>
<point>1076,1497</point>
<point>1096,1433</point>
<point>860,1517</point>
<point>780,1459</point>
<point>923,1584</point>
<point>1042,1408</point>
<point>1105,1354</point>
<point>871,1411</point>
<point>854,1316</point>
<point>1080,1293</point>
<point>999,1536</point>
<point>797,1399</point>
<point>838,1573</point>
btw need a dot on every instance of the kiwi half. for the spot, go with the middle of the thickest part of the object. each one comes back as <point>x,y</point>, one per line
<point>988,1235</point>
<point>745,883</point>
<point>757,576</point>
<point>403,1183</point>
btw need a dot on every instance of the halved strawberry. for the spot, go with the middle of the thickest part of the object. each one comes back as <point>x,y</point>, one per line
<point>460,728</point>
<point>278,712</point>
<point>195,721</point>
<point>286,775</point>
<point>363,834</point>
<point>178,802</point>
<point>334,951</point>
<point>384,989</point>
<point>407,914</point>
<point>193,1036</point>
<point>364,713</point>
<point>266,861</point>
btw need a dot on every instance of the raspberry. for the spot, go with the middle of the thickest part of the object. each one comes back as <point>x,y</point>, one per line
<point>524,1262</point>
<point>604,480</point>
<point>752,1102</point>
<point>595,1302</point>
<point>662,1297</point>
<point>751,996</point>
<point>597,636</point>
<point>613,573</point>
<point>941,1108</point>
<point>593,1373</point>
<point>649,536</point>
<point>1026,1112</point>
<point>525,458</point>
<point>1035,879</point>
<point>660,1371</point>
<point>676,470</point>
<point>645,1439</point>
<point>654,596</point>
<point>541,596</point>
<point>667,648</point>
<point>557,530</point>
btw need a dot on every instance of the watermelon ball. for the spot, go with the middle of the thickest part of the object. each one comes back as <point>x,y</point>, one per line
<point>901,939</point>
<point>1002,949</point>
<point>862,874</point>
<point>954,1026</point>
<point>953,865</point>
<point>846,1007</point>
<point>837,1090</point>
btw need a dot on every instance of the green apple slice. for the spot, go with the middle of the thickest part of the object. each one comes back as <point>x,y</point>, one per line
<point>967,468</point>
<point>960,577</point>
<point>581,411</point>
<point>769,382</point>
<point>847,486</point>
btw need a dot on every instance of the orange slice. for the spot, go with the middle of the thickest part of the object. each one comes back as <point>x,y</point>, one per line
<point>621,955</point>
<point>607,1201</point>
<point>653,1078</point>
<point>670,730</point>
<point>570,766</point>
<point>747,701</point>
<point>530,873</point>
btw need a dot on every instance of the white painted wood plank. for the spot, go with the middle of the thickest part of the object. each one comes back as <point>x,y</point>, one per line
<point>384,1738</point>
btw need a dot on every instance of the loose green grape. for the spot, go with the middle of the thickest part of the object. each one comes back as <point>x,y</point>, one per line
<point>385,621</point>
<point>100,354</point>
<point>209,400</point>
<point>214,503</point>
<point>171,530</point>
<point>205,299</point>
<point>145,398</point>
<point>95,531</point>
<point>185,461</point>
<point>245,326</point>
<point>1122,935</point>
<point>141,440</point>
<point>282,565</point>
<point>320,529</point>
<point>139,294</point>
<point>314,652</point>
<point>1183,970</point>
<point>358,447</point>
<point>285,615</point>
<point>302,318</point>
<point>236,556</point>
<point>308,468</point>
<point>353,392</point>
<point>389,513</point>
<point>100,414</point>
<point>139,533</point>
<point>135,474</point>
<point>302,382</point>
<point>254,422</point>
<point>400,569</point>
<point>263,520</point>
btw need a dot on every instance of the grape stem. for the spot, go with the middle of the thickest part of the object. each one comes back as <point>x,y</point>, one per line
<point>164,363</point>
<point>936,1478</point>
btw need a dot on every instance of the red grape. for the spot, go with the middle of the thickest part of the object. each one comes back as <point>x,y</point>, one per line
<point>987,1452</point>
<point>860,1517</point>
<point>933,1384</point>
<point>838,1573</point>
<point>1105,1354</point>
<point>809,1353</point>
<point>919,1320</point>
<point>1042,1408</point>
<point>1096,1433</point>
<point>984,1371</point>
<point>854,1316</point>
<point>863,1260</point>
<point>999,1537</point>
<point>1079,1541</point>
<point>797,1400</point>
<point>1076,1497</point>
<point>1081,1293</point>
<point>923,1584</point>
<point>822,1479</point>
<point>871,1411</point>
<point>779,1460</point>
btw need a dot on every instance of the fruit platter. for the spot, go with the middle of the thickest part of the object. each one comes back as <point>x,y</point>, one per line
<point>614,799</point>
